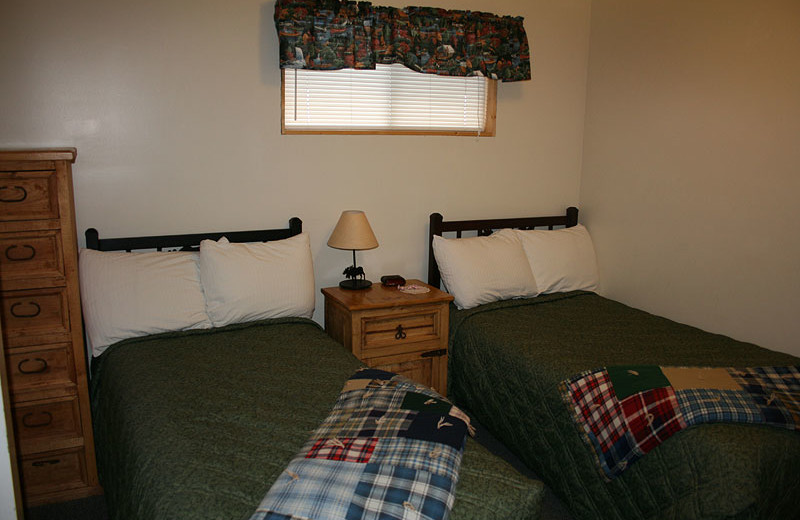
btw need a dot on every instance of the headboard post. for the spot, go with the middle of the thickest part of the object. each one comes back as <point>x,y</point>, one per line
<point>296,225</point>
<point>435,228</point>
<point>92,238</point>
<point>572,216</point>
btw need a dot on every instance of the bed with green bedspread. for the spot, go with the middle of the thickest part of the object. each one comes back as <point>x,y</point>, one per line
<point>507,359</point>
<point>198,424</point>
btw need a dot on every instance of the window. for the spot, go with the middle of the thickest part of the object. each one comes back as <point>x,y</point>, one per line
<point>391,99</point>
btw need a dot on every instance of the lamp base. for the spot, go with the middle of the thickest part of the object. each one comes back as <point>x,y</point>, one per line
<point>355,284</point>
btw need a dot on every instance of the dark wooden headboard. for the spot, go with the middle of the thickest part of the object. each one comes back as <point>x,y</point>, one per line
<point>485,227</point>
<point>188,242</point>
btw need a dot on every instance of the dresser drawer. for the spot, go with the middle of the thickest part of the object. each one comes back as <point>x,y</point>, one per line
<point>31,258</point>
<point>40,368</point>
<point>416,325</point>
<point>34,314</point>
<point>28,195</point>
<point>53,471</point>
<point>42,421</point>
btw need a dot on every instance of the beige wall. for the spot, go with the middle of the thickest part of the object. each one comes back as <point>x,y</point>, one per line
<point>691,172</point>
<point>174,106</point>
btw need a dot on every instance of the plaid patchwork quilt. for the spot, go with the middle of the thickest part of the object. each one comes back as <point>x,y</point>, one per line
<point>625,411</point>
<point>389,450</point>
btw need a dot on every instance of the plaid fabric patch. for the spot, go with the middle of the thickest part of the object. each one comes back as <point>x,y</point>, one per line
<point>596,407</point>
<point>398,493</point>
<point>418,454</point>
<point>383,397</point>
<point>376,423</point>
<point>311,488</point>
<point>408,385</point>
<point>776,391</point>
<point>333,424</point>
<point>348,450</point>
<point>652,417</point>
<point>703,405</point>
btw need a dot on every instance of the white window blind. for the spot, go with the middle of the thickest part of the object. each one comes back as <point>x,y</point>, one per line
<point>392,97</point>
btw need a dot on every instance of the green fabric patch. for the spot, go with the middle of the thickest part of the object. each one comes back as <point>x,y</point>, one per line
<point>631,379</point>
<point>425,403</point>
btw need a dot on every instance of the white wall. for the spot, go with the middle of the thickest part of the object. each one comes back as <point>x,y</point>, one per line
<point>174,107</point>
<point>691,170</point>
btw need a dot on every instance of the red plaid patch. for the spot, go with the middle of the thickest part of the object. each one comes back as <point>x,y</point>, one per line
<point>348,450</point>
<point>653,416</point>
<point>595,401</point>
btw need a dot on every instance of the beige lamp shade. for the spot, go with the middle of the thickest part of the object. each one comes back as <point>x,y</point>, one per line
<point>353,232</point>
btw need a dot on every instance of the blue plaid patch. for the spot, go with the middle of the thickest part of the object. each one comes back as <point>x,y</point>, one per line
<point>417,454</point>
<point>776,391</point>
<point>395,493</point>
<point>312,488</point>
<point>705,405</point>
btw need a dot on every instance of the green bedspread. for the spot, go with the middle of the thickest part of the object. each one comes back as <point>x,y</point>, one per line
<point>198,424</point>
<point>507,359</point>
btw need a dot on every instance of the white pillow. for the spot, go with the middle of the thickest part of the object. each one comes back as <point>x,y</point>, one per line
<point>253,281</point>
<point>561,259</point>
<point>484,269</point>
<point>125,295</point>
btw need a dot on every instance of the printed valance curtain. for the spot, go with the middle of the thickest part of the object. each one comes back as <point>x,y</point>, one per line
<point>339,34</point>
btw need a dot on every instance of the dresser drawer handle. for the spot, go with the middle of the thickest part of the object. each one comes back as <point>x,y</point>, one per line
<point>20,189</point>
<point>400,334</point>
<point>36,312</point>
<point>20,258</point>
<point>434,353</point>
<point>51,462</point>
<point>38,370</point>
<point>48,420</point>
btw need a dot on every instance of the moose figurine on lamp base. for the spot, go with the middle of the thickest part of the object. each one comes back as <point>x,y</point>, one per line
<point>355,278</point>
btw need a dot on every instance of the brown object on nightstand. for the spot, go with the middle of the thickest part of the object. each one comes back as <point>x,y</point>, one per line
<point>392,330</point>
<point>42,330</point>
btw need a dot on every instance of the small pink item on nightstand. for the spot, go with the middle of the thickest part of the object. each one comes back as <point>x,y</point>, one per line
<point>413,289</point>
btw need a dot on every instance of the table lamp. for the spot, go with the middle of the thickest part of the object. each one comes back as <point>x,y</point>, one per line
<point>353,232</point>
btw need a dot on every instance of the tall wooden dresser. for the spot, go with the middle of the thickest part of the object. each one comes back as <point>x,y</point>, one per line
<point>42,328</point>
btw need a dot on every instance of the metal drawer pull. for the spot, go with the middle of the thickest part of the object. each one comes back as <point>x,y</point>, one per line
<point>51,462</point>
<point>20,258</point>
<point>28,315</point>
<point>14,188</point>
<point>434,353</point>
<point>400,334</point>
<point>48,420</point>
<point>38,370</point>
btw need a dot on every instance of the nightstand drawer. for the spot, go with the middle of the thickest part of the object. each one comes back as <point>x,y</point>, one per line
<point>53,471</point>
<point>28,195</point>
<point>40,368</point>
<point>415,326</point>
<point>49,420</point>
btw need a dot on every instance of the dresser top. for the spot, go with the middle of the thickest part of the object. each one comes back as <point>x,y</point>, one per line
<point>39,154</point>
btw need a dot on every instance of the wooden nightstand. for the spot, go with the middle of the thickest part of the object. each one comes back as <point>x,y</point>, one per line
<point>392,330</point>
